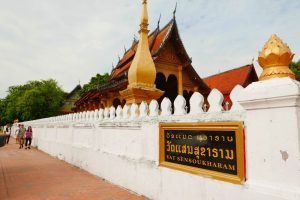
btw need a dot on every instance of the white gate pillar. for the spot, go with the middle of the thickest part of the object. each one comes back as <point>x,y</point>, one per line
<point>272,137</point>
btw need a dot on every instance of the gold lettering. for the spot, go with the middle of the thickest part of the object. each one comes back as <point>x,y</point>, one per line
<point>214,164</point>
<point>231,167</point>
<point>173,148</point>
<point>190,149</point>
<point>209,151</point>
<point>183,149</point>
<point>222,153</point>
<point>219,165</point>
<point>229,138</point>
<point>229,154</point>
<point>196,151</point>
<point>215,152</point>
<point>209,163</point>
<point>190,137</point>
<point>178,149</point>
<point>168,135</point>
<point>223,138</point>
<point>169,145</point>
<point>202,149</point>
<point>217,138</point>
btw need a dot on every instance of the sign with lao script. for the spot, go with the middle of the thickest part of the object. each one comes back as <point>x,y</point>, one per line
<point>210,149</point>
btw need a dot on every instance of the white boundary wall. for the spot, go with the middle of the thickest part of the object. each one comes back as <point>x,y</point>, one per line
<point>122,146</point>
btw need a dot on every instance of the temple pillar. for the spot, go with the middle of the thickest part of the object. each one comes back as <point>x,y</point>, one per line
<point>180,84</point>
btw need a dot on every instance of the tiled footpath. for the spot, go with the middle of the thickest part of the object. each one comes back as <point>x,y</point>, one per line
<point>32,175</point>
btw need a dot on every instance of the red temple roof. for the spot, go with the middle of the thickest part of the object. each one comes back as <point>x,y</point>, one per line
<point>155,39</point>
<point>227,80</point>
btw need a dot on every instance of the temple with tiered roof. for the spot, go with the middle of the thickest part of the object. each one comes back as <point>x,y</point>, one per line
<point>174,73</point>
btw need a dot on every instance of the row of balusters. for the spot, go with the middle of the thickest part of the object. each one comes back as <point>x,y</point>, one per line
<point>135,111</point>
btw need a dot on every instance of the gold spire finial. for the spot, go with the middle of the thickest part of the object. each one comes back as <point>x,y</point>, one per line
<point>144,18</point>
<point>275,59</point>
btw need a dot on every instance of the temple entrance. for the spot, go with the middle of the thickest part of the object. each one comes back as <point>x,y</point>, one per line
<point>170,86</point>
<point>116,102</point>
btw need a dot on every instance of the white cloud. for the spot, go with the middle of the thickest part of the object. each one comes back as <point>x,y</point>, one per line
<point>73,40</point>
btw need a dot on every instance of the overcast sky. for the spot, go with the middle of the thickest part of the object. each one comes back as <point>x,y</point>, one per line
<point>72,40</point>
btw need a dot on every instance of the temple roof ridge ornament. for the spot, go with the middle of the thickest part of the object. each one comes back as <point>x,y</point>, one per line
<point>275,58</point>
<point>175,9</point>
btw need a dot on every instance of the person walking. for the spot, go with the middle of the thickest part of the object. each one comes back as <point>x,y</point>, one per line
<point>8,132</point>
<point>28,138</point>
<point>21,135</point>
<point>17,133</point>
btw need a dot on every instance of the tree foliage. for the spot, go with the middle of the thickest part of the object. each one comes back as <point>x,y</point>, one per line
<point>95,82</point>
<point>34,100</point>
<point>295,67</point>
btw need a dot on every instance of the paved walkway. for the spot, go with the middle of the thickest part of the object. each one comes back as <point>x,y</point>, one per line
<point>32,174</point>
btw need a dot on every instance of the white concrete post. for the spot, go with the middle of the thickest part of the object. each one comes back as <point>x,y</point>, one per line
<point>272,137</point>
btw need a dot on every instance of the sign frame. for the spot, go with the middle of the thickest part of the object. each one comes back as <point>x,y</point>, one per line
<point>237,127</point>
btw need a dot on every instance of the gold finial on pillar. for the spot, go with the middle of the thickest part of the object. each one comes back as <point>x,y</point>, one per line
<point>142,71</point>
<point>275,59</point>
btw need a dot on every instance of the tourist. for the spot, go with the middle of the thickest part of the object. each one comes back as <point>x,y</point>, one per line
<point>17,133</point>
<point>28,137</point>
<point>7,132</point>
<point>21,135</point>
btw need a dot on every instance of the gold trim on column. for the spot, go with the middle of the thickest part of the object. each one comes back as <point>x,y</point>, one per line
<point>180,91</point>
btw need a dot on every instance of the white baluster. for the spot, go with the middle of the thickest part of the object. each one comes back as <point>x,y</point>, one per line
<point>143,109</point>
<point>84,116</point>
<point>119,112</point>
<point>215,100</point>
<point>134,111</point>
<point>100,114</point>
<point>236,106</point>
<point>153,107</point>
<point>126,110</point>
<point>106,113</point>
<point>196,103</point>
<point>179,105</point>
<point>112,112</point>
<point>166,107</point>
<point>96,113</point>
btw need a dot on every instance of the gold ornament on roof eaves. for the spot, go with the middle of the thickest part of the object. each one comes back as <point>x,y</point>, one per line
<point>275,59</point>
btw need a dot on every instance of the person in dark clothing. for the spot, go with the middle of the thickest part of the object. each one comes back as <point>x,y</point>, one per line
<point>7,132</point>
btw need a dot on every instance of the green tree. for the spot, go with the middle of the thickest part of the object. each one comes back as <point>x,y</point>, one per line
<point>295,67</point>
<point>95,82</point>
<point>34,100</point>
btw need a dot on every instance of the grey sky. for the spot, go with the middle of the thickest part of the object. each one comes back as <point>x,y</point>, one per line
<point>72,40</point>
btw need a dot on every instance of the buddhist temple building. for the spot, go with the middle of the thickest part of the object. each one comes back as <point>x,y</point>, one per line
<point>227,80</point>
<point>70,100</point>
<point>174,73</point>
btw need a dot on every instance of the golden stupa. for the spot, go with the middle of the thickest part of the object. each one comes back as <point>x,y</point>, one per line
<point>142,72</point>
<point>275,59</point>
